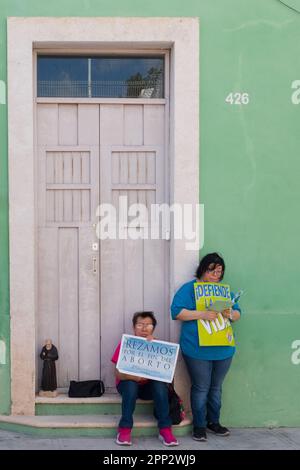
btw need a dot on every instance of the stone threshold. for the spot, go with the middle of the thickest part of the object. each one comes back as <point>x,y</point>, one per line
<point>63,398</point>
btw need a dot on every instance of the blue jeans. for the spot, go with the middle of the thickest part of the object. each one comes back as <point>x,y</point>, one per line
<point>207,378</point>
<point>152,390</point>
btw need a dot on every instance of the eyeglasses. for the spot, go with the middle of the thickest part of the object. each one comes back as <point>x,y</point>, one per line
<point>144,325</point>
<point>215,272</point>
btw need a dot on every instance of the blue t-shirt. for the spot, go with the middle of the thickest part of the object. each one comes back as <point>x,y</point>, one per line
<point>189,340</point>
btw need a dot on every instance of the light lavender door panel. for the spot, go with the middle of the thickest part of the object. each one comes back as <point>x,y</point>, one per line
<point>132,164</point>
<point>68,249</point>
<point>68,293</point>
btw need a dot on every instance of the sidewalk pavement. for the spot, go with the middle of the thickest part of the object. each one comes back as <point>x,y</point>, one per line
<point>240,439</point>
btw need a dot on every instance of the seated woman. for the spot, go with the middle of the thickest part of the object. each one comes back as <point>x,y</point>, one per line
<point>132,387</point>
<point>207,365</point>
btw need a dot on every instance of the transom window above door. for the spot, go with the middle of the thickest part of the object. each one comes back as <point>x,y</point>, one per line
<point>100,77</point>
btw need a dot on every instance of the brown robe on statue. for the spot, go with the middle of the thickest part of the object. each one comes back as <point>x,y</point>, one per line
<point>49,357</point>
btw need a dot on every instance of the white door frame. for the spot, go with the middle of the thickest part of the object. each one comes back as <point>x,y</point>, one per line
<point>181,36</point>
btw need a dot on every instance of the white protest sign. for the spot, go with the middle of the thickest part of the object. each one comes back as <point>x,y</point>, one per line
<point>154,360</point>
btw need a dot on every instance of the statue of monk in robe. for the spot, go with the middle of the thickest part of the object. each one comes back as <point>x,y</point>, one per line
<point>49,355</point>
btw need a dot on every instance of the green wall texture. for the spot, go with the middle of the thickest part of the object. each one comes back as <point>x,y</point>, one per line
<point>249,176</point>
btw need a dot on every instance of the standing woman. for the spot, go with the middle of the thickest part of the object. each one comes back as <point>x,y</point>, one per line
<point>207,365</point>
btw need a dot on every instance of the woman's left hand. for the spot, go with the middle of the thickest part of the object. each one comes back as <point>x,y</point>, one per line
<point>227,313</point>
<point>232,315</point>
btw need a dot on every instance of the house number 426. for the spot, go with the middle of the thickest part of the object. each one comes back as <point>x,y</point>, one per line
<point>237,98</point>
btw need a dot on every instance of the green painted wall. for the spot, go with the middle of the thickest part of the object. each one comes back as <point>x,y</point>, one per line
<point>249,174</point>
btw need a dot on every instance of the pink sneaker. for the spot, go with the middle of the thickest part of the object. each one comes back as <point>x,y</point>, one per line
<point>124,437</point>
<point>167,437</point>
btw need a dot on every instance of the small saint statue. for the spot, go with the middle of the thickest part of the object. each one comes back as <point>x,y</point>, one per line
<point>49,355</point>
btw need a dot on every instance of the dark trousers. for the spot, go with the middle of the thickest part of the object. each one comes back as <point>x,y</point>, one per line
<point>152,390</point>
<point>207,378</point>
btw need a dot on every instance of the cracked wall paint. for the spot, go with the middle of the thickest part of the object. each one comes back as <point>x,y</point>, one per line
<point>2,92</point>
<point>2,352</point>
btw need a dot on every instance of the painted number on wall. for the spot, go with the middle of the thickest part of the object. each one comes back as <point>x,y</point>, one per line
<point>295,357</point>
<point>237,98</point>
<point>296,94</point>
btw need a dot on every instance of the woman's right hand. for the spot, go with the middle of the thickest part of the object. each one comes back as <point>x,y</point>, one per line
<point>190,315</point>
<point>209,315</point>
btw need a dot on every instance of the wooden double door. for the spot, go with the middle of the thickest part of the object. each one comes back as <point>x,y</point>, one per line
<point>90,154</point>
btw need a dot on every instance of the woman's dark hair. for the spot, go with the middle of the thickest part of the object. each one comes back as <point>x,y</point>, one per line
<point>144,315</point>
<point>211,260</point>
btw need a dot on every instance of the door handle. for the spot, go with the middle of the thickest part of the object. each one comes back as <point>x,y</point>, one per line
<point>94,265</point>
